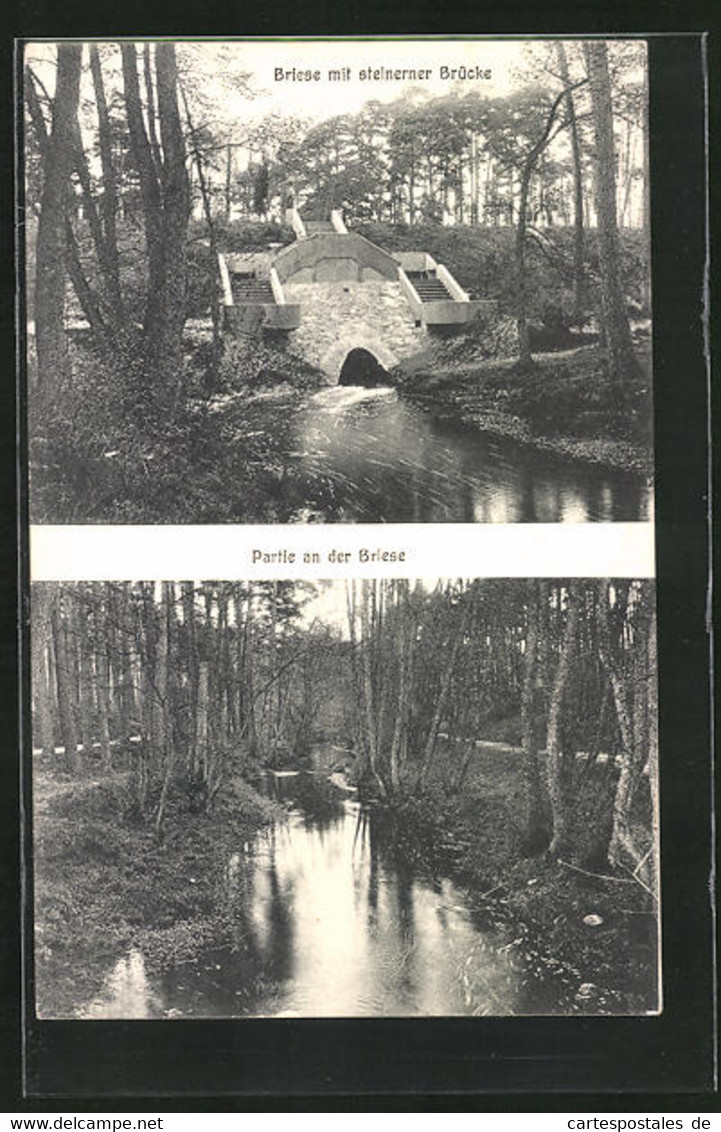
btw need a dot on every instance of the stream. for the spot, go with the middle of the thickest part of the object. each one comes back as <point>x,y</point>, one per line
<point>329,920</point>
<point>365,455</point>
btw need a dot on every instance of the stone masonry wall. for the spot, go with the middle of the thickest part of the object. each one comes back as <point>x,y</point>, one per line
<point>338,317</point>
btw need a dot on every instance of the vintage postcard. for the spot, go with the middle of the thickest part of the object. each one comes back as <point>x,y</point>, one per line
<point>289,304</point>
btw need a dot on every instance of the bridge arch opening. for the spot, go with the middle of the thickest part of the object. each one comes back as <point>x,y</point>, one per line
<point>361,367</point>
<point>352,339</point>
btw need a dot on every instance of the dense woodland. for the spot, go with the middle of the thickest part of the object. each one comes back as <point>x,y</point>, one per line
<point>183,686</point>
<point>143,161</point>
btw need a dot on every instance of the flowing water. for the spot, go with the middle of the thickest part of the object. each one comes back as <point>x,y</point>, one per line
<point>328,920</point>
<point>365,455</point>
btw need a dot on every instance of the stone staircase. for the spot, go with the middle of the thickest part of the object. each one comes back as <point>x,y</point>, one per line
<point>251,289</point>
<point>429,288</point>
<point>253,295</point>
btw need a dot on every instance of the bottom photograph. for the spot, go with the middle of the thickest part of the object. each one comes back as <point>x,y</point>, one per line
<point>344,798</point>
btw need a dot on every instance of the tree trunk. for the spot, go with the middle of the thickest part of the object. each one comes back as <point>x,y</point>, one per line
<point>103,673</point>
<point>228,181</point>
<point>64,670</point>
<point>86,297</point>
<point>524,342</point>
<point>412,194</point>
<point>41,642</point>
<point>127,708</point>
<point>202,731</point>
<point>150,109</point>
<point>578,229</point>
<point>368,628</point>
<point>165,671</point>
<point>191,668</point>
<point>351,605</point>
<point>102,333</point>
<point>142,158</point>
<point>406,641</point>
<point>85,669</point>
<point>535,827</point>
<point>529,164</point>
<point>162,673</point>
<point>107,322</point>
<point>211,374</point>
<point>50,251</point>
<point>627,677</point>
<point>249,670</point>
<point>621,359</point>
<point>167,335</point>
<point>147,648</point>
<point>554,759</point>
<point>448,675</point>
<point>165,214</point>
<point>110,188</point>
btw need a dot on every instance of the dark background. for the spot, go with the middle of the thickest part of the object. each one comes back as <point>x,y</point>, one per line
<point>634,1064</point>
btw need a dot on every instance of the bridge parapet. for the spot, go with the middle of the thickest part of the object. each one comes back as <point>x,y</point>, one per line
<point>334,256</point>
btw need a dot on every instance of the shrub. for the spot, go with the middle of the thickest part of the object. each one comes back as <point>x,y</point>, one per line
<point>108,447</point>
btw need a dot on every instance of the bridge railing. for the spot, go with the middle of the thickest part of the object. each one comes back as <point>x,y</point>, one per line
<point>459,308</point>
<point>294,218</point>
<point>336,219</point>
<point>451,285</point>
<point>225,281</point>
<point>285,316</point>
<point>278,315</point>
<point>412,297</point>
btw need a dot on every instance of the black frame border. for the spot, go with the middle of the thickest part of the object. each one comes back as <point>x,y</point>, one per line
<point>238,1061</point>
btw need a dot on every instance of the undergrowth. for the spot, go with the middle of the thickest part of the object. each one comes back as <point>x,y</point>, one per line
<point>104,884</point>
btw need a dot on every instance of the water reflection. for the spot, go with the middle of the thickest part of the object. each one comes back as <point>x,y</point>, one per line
<point>363,455</point>
<point>327,922</point>
<point>365,936</point>
<point>126,993</point>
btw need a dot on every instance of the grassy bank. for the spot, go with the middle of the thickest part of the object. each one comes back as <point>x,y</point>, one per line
<point>103,884</point>
<point>104,450</point>
<point>477,833</point>
<point>565,404</point>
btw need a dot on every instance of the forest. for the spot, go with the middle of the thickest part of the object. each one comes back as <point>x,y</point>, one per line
<point>144,162</point>
<point>219,766</point>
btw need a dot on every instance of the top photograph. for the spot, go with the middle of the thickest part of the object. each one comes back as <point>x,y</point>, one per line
<point>335,281</point>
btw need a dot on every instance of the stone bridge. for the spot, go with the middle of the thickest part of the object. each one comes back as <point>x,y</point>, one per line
<point>333,292</point>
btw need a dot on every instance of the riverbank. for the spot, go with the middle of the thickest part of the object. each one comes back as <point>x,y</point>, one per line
<point>577,939</point>
<point>585,930</point>
<point>105,450</point>
<point>108,451</point>
<point>103,885</point>
<point>564,405</point>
